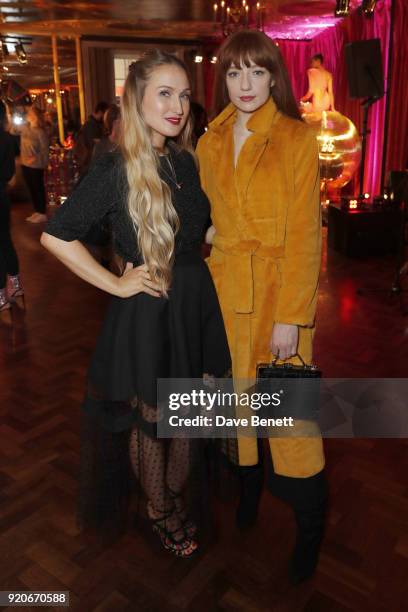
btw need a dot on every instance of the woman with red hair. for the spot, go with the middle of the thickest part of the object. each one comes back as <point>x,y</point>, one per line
<point>259,167</point>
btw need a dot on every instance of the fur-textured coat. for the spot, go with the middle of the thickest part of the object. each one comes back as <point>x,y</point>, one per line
<point>265,259</point>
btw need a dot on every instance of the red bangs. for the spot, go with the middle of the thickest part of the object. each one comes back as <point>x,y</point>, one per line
<point>246,47</point>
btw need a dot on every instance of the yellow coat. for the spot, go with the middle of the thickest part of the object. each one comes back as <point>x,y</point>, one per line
<point>265,259</point>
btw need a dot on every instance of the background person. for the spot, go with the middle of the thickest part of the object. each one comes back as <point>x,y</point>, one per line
<point>89,134</point>
<point>34,160</point>
<point>110,141</point>
<point>10,285</point>
<point>320,87</point>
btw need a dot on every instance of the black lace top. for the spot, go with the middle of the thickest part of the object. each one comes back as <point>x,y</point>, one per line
<point>102,196</point>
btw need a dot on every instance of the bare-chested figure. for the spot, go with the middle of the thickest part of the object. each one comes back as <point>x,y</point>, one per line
<point>320,87</point>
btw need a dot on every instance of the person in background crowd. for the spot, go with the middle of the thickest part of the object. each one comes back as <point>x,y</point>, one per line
<point>34,160</point>
<point>10,286</point>
<point>200,121</point>
<point>70,130</point>
<point>51,127</point>
<point>111,122</point>
<point>88,135</point>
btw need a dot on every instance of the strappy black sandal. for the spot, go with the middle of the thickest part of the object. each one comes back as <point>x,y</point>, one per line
<point>188,525</point>
<point>5,304</point>
<point>185,547</point>
<point>15,290</point>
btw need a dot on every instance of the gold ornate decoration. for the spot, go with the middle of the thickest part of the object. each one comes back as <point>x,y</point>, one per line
<point>339,147</point>
<point>237,15</point>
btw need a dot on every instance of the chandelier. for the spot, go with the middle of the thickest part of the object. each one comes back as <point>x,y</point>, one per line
<point>237,15</point>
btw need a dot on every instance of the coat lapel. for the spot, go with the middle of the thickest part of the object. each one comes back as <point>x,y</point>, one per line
<point>248,160</point>
<point>222,149</point>
<point>222,163</point>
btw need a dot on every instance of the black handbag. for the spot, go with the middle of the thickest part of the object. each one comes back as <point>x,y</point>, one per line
<point>298,387</point>
<point>286,370</point>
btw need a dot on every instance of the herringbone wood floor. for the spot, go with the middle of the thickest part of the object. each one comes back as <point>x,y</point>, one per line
<point>43,359</point>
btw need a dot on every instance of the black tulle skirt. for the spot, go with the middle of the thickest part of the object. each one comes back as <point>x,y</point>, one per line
<point>144,338</point>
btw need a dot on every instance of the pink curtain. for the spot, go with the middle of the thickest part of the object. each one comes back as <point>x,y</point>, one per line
<point>331,44</point>
<point>397,150</point>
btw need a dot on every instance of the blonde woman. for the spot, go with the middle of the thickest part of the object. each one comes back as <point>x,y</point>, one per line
<point>164,319</point>
<point>34,161</point>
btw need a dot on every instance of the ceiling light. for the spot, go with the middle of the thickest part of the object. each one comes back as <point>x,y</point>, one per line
<point>198,59</point>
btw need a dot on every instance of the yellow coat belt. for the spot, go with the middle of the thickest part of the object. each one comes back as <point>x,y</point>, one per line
<point>239,270</point>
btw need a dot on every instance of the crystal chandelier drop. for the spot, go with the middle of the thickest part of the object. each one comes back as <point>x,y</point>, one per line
<point>237,15</point>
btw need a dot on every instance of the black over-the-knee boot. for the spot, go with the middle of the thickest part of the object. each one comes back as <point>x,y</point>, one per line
<point>308,498</point>
<point>251,484</point>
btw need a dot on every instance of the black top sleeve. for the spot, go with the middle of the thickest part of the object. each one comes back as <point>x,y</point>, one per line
<point>95,197</point>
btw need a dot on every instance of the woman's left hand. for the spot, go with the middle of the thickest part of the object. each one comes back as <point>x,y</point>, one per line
<point>284,340</point>
<point>210,235</point>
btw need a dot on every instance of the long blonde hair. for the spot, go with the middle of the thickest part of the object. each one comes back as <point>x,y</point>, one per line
<point>149,198</point>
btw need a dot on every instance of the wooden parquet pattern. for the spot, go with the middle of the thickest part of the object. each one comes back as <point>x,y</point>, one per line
<point>43,359</point>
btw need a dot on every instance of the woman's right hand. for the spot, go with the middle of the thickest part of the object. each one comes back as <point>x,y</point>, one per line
<point>137,280</point>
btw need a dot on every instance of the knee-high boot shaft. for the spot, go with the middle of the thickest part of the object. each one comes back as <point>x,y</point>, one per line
<point>308,498</point>
<point>310,523</point>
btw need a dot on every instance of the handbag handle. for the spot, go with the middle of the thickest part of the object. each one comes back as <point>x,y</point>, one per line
<point>295,355</point>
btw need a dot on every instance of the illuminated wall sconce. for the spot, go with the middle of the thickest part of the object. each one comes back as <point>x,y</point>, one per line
<point>21,53</point>
<point>368,7</point>
<point>4,51</point>
<point>342,8</point>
